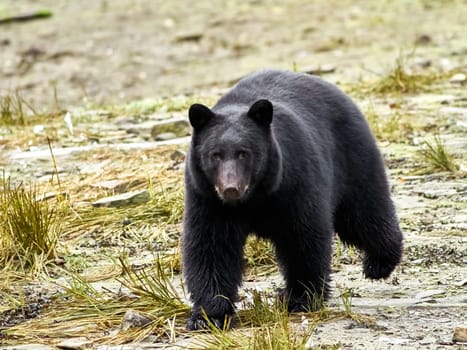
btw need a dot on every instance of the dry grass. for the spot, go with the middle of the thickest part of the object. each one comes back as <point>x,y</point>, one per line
<point>260,257</point>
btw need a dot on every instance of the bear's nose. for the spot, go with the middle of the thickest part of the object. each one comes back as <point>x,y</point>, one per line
<point>231,193</point>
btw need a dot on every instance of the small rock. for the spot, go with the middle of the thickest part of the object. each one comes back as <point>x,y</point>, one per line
<point>460,334</point>
<point>38,129</point>
<point>124,120</point>
<point>133,319</point>
<point>179,127</point>
<point>127,221</point>
<point>75,343</point>
<point>50,195</point>
<point>115,185</point>
<point>423,39</point>
<point>165,136</point>
<point>28,347</point>
<point>458,78</point>
<point>178,156</point>
<point>124,199</point>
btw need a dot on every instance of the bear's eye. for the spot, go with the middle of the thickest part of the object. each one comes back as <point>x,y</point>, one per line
<point>216,156</point>
<point>242,155</point>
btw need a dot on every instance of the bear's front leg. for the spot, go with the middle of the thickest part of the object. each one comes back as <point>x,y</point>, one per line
<point>213,266</point>
<point>305,263</point>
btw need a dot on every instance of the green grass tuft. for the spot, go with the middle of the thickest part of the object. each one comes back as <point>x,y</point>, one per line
<point>12,111</point>
<point>401,80</point>
<point>155,284</point>
<point>393,128</point>
<point>29,227</point>
<point>436,156</point>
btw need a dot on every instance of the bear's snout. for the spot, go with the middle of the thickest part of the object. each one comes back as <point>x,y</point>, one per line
<point>231,184</point>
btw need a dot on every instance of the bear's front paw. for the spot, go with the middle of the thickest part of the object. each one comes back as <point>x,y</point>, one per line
<point>198,322</point>
<point>375,268</point>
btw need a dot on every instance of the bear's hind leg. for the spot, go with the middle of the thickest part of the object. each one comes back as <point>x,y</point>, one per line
<point>370,223</point>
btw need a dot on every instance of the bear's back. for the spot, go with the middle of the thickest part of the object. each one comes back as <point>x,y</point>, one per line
<point>302,96</point>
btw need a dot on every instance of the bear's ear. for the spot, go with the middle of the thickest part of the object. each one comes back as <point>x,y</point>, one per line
<point>199,115</point>
<point>261,111</point>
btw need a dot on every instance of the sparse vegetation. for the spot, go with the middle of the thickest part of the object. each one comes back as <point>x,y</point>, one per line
<point>392,128</point>
<point>401,80</point>
<point>346,297</point>
<point>29,227</point>
<point>436,156</point>
<point>11,110</point>
<point>16,111</point>
<point>156,285</point>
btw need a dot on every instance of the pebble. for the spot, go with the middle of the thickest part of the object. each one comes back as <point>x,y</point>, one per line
<point>50,195</point>
<point>75,343</point>
<point>423,39</point>
<point>458,78</point>
<point>133,319</point>
<point>165,136</point>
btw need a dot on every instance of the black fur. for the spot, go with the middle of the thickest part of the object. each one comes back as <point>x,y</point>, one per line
<point>288,157</point>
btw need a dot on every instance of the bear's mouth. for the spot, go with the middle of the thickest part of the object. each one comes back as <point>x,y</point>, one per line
<point>231,194</point>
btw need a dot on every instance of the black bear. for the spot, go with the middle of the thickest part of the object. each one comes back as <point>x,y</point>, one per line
<point>290,158</point>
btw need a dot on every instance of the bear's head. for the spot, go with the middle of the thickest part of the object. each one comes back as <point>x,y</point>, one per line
<point>232,148</point>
